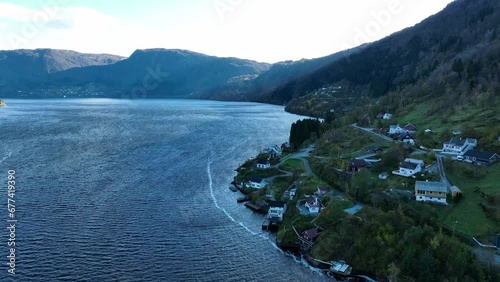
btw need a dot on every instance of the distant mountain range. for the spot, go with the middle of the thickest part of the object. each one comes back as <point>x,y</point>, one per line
<point>465,31</point>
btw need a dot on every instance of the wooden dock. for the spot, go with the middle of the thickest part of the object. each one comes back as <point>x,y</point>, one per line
<point>266,224</point>
<point>243,199</point>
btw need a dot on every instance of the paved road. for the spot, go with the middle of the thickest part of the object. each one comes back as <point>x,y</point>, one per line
<point>366,156</point>
<point>373,132</point>
<point>441,170</point>
<point>299,156</point>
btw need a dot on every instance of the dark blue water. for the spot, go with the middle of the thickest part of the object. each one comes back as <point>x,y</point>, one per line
<point>111,190</point>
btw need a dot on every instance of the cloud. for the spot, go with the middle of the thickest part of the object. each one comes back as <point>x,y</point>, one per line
<point>261,30</point>
<point>15,12</point>
<point>54,27</point>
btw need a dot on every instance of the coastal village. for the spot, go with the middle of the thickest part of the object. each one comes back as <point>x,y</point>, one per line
<point>390,163</point>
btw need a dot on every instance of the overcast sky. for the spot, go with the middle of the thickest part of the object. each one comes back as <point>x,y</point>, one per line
<point>262,30</point>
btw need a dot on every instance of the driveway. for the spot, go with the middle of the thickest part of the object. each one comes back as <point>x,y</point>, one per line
<point>441,171</point>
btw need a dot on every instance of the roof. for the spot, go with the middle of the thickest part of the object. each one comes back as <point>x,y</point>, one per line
<point>311,233</point>
<point>460,141</point>
<point>255,179</point>
<point>276,204</point>
<point>313,201</point>
<point>455,189</point>
<point>323,188</point>
<point>415,161</point>
<point>263,161</point>
<point>339,266</point>
<point>408,165</point>
<point>410,127</point>
<point>359,163</point>
<point>431,186</point>
<point>457,141</point>
<point>481,155</point>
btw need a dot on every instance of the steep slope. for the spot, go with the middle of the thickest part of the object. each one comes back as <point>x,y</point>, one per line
<point>163,73</point>
<point>20,67</point>
<point>146,73</point>
<point>256,88</point>
<point>465,33</point>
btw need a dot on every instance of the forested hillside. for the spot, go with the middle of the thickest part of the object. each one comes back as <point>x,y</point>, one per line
<point>453,55</point>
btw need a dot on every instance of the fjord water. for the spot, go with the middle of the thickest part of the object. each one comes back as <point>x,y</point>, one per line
<point>113,190</point>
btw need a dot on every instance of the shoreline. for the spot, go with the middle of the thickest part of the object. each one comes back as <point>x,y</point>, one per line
<point>294,249</point>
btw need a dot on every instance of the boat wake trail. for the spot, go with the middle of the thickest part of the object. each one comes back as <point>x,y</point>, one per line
<point>210,182</point>
<point>300,260</point>
<point>6,157</point>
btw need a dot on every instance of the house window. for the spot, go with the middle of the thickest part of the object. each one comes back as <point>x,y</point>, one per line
<point>431,198</point>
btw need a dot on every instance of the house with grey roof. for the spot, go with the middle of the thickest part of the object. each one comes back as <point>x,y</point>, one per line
<point>409,167</point>
<point>431,191</point>
<point>459,146</point>
<point>480,158</point>
<point>256,182</point>
<point>263,164</point>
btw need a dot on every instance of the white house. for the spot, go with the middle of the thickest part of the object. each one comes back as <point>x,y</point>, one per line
<point>313,205</point>
<point>395,129</point>
<point>387,116</point>
<point>276,211</point>
<point>409,140</point>
<point>383,175</point>
<point>263,164</point>
<point>459,146</point>
<point>409,167</point>
<point>277,150</point>
<point>431,191</point>
<point>256,182</point>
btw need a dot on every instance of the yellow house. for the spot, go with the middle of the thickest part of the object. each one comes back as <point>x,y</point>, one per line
<point>431,191</point>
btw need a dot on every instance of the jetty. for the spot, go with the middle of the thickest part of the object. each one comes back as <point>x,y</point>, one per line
<point>243,199</point>
<point>337,267</point>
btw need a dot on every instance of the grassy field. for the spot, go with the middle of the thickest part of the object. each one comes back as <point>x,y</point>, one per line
<point>309,185</point>
<point>280,184</point>
<point>293,165</point>
<point>473,117</point>
<point>349,142</point>
<point>467,214</point>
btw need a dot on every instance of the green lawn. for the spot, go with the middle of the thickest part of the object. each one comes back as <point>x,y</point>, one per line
<point>468,214</point>
<point>349,142</point>
<point>293,165</point>
<point>280,184</point>
<point>474,117</point>
<point>309,185</point>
